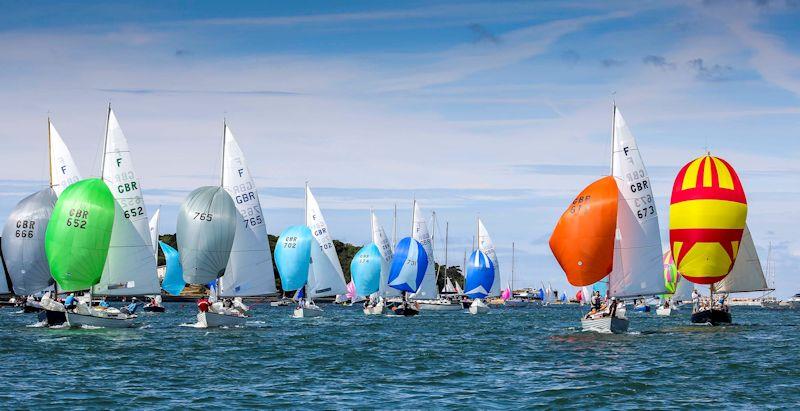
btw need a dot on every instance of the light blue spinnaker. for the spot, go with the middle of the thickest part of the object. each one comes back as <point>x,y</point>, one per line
<point>292,256</point>
<point>480,275</point>
<point>366,270</point>
<point>409,263</point>
<point>173,279</point>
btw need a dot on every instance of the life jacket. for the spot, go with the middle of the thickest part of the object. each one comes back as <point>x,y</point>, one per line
<point>203,305</point>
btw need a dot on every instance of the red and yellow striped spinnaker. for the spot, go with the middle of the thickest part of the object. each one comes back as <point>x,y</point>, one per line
<point>707,215</point>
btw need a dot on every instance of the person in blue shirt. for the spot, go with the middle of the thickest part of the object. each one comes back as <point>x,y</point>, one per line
<point>70,301</point>
<point>104,303</point>
<point>132,307</point>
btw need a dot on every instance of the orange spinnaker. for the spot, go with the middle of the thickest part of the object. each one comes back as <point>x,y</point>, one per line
<point>583,240</point>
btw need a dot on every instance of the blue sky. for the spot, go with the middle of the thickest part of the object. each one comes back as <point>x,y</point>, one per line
<point>494,108</point>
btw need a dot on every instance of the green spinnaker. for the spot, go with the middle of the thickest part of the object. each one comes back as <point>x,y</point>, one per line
<point>78,235</point>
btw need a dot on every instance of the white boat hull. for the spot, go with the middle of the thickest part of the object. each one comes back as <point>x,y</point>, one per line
<point>210,319</point>
<point>307,312</point>
<point>378,309</point>
<point>666,312</point>
<point>478,307</point>
<point>438,305</point>
<point>606,325</point>
<point>79,320</point>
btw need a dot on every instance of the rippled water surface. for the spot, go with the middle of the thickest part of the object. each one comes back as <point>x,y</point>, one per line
<point>517,358</point>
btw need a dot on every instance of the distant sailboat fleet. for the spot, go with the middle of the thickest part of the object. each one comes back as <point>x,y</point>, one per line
<point>91,239</point>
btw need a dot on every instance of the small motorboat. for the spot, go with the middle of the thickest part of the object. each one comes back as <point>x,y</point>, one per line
<point>516,303</point>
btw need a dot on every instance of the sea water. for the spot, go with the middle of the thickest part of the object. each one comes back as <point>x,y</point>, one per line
<point>508,358</point>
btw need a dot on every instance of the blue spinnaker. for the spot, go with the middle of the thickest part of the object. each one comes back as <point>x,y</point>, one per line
<point>366,270</point>
<point>409,263</point>
<point>541,294</point>
<point>480,275</point>
<point>173,282</point>
<point>293,256</point>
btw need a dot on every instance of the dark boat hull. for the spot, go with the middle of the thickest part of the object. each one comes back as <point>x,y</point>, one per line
<point>53,317</point>
<point>153,309</point>
<point>711,316</point>
<point>31,309</point>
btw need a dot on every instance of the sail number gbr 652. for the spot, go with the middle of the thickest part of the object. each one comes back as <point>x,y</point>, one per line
<point>77,218</point>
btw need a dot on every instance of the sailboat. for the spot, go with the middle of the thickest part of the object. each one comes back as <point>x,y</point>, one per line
<point>746,275</point>
<point>366,269</point>
<point>154,305</point>
<point>427,295</point>
<point>512,301</point>
<point>309,265</point>
<point>409,267</point>
<point>130,266</point>
<point>479,280</point>
<point>615,224</point>
<point>377,302</point>
<point>678,288</point>
<point>486,245</point>
<point>23,251</point>
<point>707,222</point>
<point>249,272</point>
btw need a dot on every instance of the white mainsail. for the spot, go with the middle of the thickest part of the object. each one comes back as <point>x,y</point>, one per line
<point>486,245</point>
<point>130,267</point>
<point>249,271</point>
<point>380,239</point>
<point>63,171</point>
<point>154,220</point>
<point>683,290</point>
<point>325,276</point>
<point>640,268</point>
<point>746,274</point>
<point>427,290</point>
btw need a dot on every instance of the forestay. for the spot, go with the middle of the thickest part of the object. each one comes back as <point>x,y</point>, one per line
<point>380,239</point>
<point>205,229</point>
<point>249,271</point>
<point>23,243</point>
<point>486,245</point>
<point>747,274</point>
<point>131,266</point>
<point>637,220</point>
<point>63,171</point>
<point>154,221</point>
<point>325,278</point>
<point>427,290</point>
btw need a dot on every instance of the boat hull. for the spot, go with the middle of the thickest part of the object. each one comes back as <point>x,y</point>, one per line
<point>711,316</point>
<point>209,319</point>
<point>378,309</point>
<point>52,317</point>
<point>614,325</point>
<point>516,303</point>
<point>665,312</point>
<point>478,307</point>
<point>307,312</point>
<point>437,305</point>
<point>153,308</point>
<point>642,308</point>
<point>79,320</point>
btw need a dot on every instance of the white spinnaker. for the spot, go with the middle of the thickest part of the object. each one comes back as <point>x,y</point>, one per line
<point>130,267</point>
<point>427,290</point>
<point>683,290</point>
<point>154,220</point>
<point>642,271</point>
<point>385,248</point>
<point>486,245</point>
<point>63,171</point>
<point>325,276</point>
<point>746,274</point>
<point>249,271</point>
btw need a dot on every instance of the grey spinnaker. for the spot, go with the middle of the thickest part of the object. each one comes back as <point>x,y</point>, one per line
<point>23,243</point>
<point>205,231</point>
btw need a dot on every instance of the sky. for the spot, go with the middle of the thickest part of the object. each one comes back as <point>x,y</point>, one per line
<point>498,110</point>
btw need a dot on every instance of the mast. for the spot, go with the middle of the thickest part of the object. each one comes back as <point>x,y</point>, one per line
<point>413,214</point>
<point>446,238</point>
<point>433,232</point>
<point>394,228</point>
<point>105,143</point>
<point>305,216</point>
<point>222,159</point>
<point>49,153</point>
<point>512,266</point>
<point>613,131</point>
<point>371,225</point>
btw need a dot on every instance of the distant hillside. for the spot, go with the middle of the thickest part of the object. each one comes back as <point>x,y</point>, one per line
<point>345,251</point>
